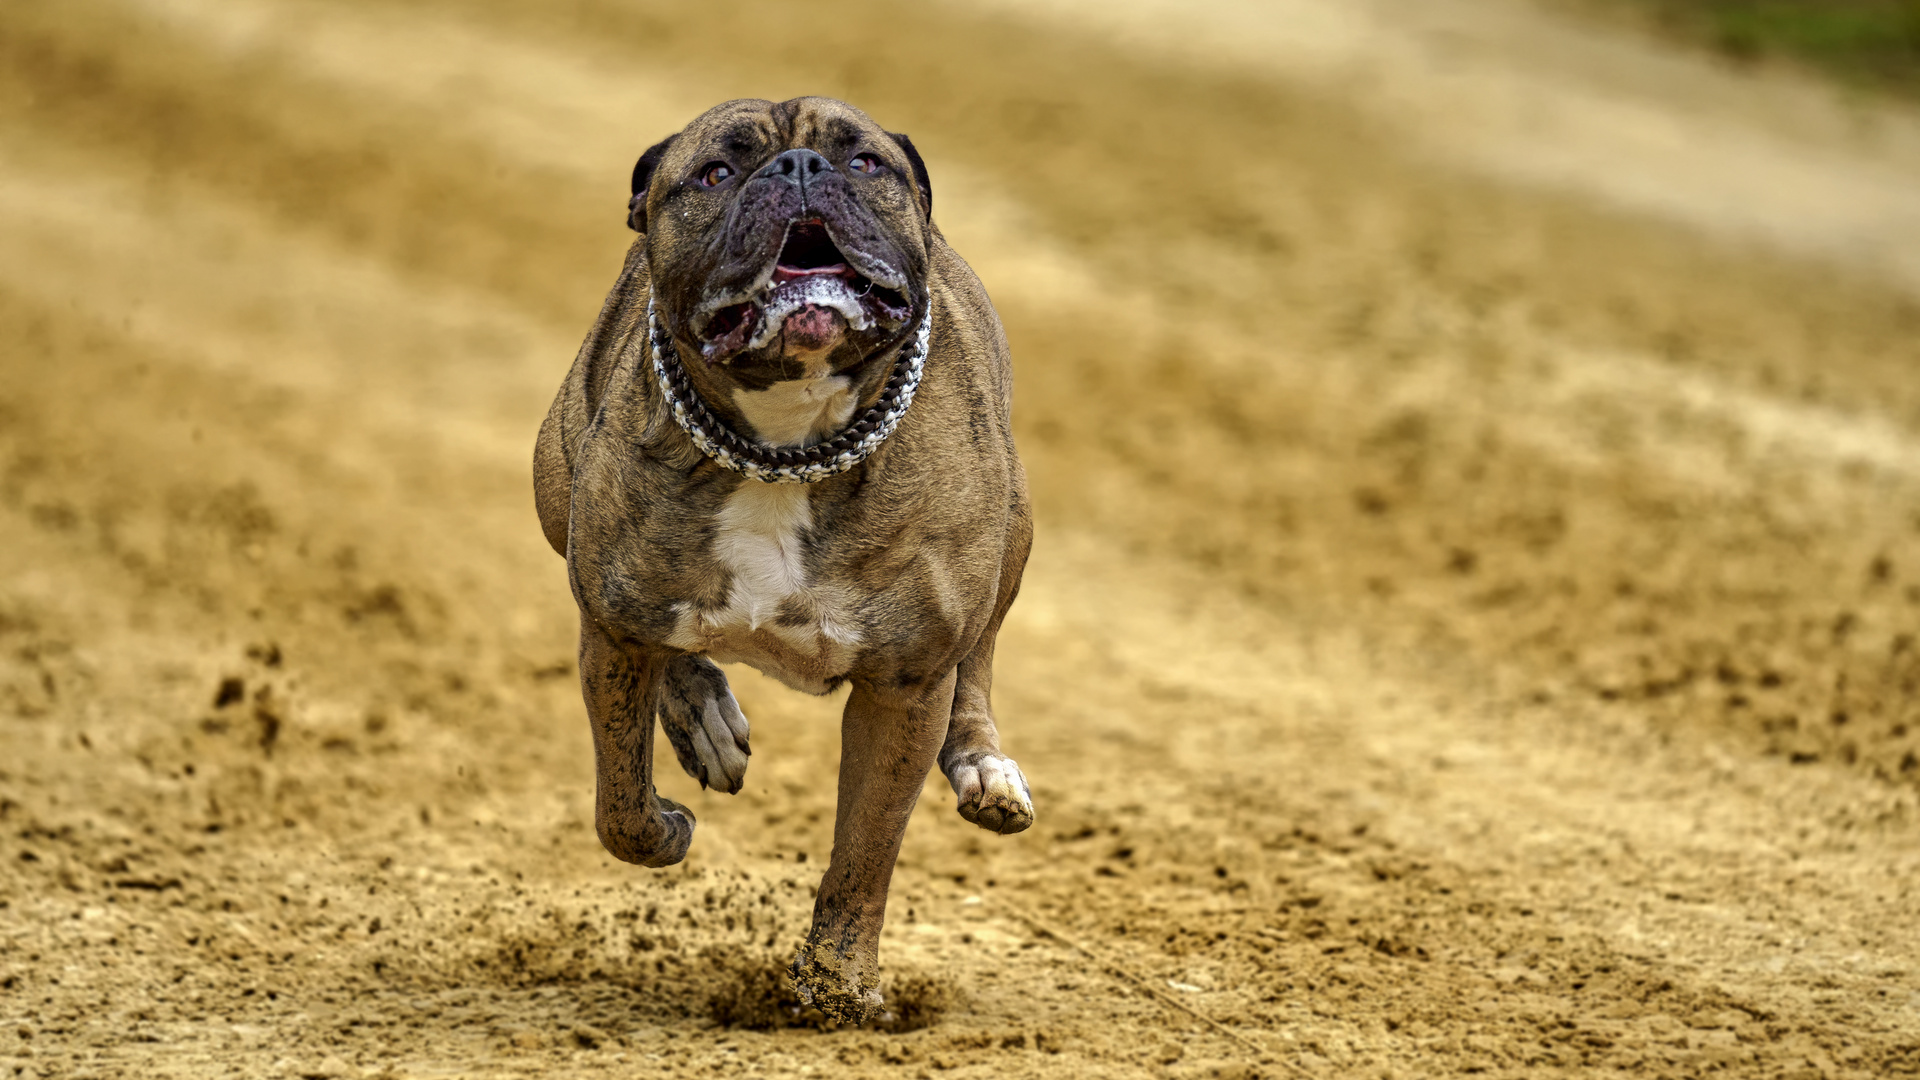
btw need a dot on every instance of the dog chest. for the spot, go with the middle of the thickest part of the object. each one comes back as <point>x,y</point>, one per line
<point>774,617</point>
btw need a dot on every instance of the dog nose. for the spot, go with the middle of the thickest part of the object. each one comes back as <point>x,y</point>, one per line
<point>797,166</point>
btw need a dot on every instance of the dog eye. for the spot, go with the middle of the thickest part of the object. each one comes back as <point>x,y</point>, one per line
<point>715,173</point>
<point>864,163</point>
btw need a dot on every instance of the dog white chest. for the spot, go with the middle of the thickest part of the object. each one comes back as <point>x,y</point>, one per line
<point>774,618</point>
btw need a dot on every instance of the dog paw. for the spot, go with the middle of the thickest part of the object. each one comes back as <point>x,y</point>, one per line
<point>993,794</point>
<point>704,723</point>
<point>839,986</point>
<point>657,839</point>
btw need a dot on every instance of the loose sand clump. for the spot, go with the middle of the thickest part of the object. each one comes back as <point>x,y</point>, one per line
<point>756,993</point>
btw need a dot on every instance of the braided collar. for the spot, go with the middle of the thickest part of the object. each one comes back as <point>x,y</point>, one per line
<point>792,465</point>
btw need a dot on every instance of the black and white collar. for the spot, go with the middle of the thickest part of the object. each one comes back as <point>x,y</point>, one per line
<point>791,465</point>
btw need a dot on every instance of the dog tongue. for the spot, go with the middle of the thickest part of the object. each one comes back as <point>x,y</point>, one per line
<point>813,328</point>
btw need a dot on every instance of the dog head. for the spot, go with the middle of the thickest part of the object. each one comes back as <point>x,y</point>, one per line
<point>785,239</point>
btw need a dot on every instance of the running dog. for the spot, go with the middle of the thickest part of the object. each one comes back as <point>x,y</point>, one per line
<point>786,442</point>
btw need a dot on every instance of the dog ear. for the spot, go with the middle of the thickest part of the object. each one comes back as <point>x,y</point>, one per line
<point>920,179</point>
<point>643,176</point>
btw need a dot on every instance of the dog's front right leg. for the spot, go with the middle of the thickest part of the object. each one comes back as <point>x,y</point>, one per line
<point>619,683</point>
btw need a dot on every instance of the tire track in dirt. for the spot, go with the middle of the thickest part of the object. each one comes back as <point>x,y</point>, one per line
<point>1355,732</point>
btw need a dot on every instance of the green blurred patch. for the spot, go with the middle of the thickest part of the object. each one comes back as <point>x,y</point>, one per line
<point>1870,42</point>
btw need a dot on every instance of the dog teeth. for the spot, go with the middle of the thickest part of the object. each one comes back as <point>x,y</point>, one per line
<point>820,291</point>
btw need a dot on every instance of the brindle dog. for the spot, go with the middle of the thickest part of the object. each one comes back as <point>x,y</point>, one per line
<point>788,256</point>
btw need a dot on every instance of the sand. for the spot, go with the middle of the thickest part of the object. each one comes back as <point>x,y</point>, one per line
<point>1472,626</point>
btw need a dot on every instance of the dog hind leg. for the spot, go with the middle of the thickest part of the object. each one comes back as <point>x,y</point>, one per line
<point>704,722</point>
<point>992,791</point>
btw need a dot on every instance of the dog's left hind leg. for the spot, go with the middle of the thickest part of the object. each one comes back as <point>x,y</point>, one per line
<point>991,789</point>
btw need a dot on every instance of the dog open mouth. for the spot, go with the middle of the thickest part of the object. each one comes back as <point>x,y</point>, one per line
<point>813,296</point>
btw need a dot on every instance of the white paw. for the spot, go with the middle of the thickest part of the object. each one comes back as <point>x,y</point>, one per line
<point>720,742</point>
<point>993,794</point>
<point>705,725</point>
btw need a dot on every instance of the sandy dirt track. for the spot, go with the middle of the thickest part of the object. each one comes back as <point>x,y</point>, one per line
<point>1474,625</point>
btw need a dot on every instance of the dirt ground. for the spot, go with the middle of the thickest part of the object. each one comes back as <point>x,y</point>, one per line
<point>1474,625</point>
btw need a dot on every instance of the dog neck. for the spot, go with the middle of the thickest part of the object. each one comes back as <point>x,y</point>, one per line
<point>800,412</point>
<point>793,431</point>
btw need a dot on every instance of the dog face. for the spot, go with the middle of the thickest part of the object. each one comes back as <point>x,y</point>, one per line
<point>785,239</point>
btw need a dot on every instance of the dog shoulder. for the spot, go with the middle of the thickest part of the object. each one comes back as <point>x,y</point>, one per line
<point>556,450</point>
<point>973,323</point>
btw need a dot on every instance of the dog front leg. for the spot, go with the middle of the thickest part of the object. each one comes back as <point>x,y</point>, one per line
<point>888,744</point>
<point>619,684</point>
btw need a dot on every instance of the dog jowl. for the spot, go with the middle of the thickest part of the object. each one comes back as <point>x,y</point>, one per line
<point>786,443</point>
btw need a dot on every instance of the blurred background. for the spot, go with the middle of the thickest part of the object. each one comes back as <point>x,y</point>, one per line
<point>1472,626</point>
